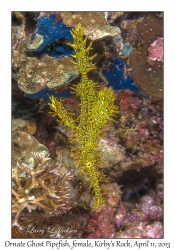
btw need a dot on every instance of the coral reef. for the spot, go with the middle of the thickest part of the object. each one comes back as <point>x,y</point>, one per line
<point>34,71</point>
<point>156,50</point>
<point>34,74</point>
<point>18,27</point>
<point>28,125</point>
<point>115,75</point>
<point>48,32</point>
<point>100,223</point>
<point>96,111</point>
<point>137,221</point>
<point>127,155</point>
<point>112,16</point>
<point>95,24</point>
<point>22,144</point>
<point>36,186</point>
<point>149,78</point>
<point>142,136</point>
<point>143,220</point>
<point>112,152</point>
<point>141,34</point>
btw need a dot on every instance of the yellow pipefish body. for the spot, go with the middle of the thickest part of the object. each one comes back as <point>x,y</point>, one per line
<point>96,109</point>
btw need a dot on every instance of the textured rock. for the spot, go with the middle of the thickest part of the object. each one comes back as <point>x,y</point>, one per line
<point>149,78</point>
<point>28,126</point>
<point>94,22</point>
<point>34,75</point>
<point>22,146</point>
<point>18,28</point>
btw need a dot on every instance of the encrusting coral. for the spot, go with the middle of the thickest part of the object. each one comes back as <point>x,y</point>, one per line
<point>35,74</point>
<point>94,23</point>
<point>97,107</point>
<point>38,187</point>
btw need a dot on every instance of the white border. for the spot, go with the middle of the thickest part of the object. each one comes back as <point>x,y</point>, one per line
<point>5,96</point>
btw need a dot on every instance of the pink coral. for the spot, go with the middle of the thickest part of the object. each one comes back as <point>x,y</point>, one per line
<point>153,231</point>
<point>113,193</point>
<point>156,50</point>
<point>151,208</point>
<point>100,224</point>
<point>136,103</point>
<point>121,215</point>
<point>143,220</point>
